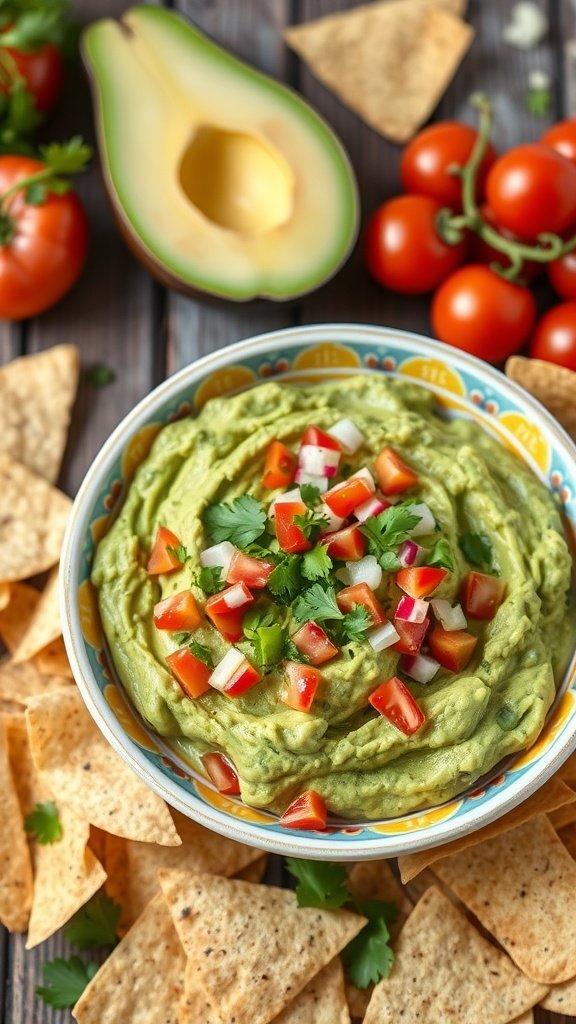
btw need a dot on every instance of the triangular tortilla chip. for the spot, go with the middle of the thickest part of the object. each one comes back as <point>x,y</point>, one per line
<point>15,863</point>
<point>33,517</point>
<point>521,885</point>
<point>253,872</point>
<point>44,626</point>
<point>390,62</point>
<point>563,816</point>
<point>445,971</point>
<point>18,613</point>
<point>4,595</point>
<point>252,947</point>
<point>53,660</point>
<point>78,764</point>
<point>36,397</point>
<point>20,683</point>
<point>561,998</point>
<point>567,771</point>
<point>142,980</point>
<point>554,386</point>
<point>567,837</point>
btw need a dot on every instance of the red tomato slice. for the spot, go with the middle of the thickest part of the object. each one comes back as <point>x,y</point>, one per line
<point>253,572</point>
<point>179,611</point>
<point>244,679</point>
<point>191,673</point>
<point>394,701</point>
<point>452,649</point>
<point>394,476</point>
<point>228,622</point>
<point>290,537</point>
<point>308,811</point>
<point>316,437</point>
<point>348,544</point>
<point>344,498</point>
<point>233,599</point>
<point>421,581</point>
<point>303,682</point>
<point>311,640</point>
<point>280,466</point>
<point>221,773</point>
<point>481,595</point>
<point>161,559</point>
<point>411,635</point>
<point>363,595</point>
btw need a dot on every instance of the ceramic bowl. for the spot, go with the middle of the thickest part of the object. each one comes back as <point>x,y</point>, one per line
<point>463,386</point>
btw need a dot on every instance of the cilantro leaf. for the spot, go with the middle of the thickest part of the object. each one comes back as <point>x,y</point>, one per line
<point>368,957</point>
<point>95,923</point>
<point>292,653</point>
<point>311,523</point>
<point>389,561</point>
<point>311,495</point>
<point>258,616</point>
<point>201,652</point>
<point>319,884</point>
<point>209,579</point>
<point>268,644</point>
<point>476,548</point>
<point>388,529</point>
<point>355,624</point>
<point>182,639</point>
<point>285,581</point>
<point>317,604</point>
<point>441,555</point>
<point>180,553</point>
<point>30,24</point>
<point>43,823</point>
<point>242,521</point>
<point>316,564</point>
<point>99,375</point>
<point>65,981</point>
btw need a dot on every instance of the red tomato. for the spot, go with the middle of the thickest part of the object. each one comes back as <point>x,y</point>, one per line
<point>290,537</point>
<point>426,161</point>
<point>191,673</point>
<point>532,189</point>
<point>228,621</point>
<point>179,611</point>
<point>411,635</point>
<point>280,466</point>
<point>318,439</point>
<point>348,544</point>
<point>311,640</point>
<point>161,558</point>
<point>221,773</point>
<point>303,682</point>
<point>44,247</point>
<point>254,572</point>
<point>394,476</point>
<point>308,811</point>
<point>481,595</point>
<point>420,582</point>
<point>562,138</point>
<point>394,700</point>
<point>243,679</point>
<point>482,252</point>
<point>42,69</point>
<point>403,250</point>
<point>452,649</point>
<point>562,275</point>
<point>344,498</point>
<point>363,595</point>
<point>478,311</point>
<point>554,338</point>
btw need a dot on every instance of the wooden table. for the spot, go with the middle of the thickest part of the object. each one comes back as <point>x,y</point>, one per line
<point>119,316</point>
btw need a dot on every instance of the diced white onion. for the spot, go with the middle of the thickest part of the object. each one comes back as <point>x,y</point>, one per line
<point>226,669</point>
<point>451,618</point>
<point>365,570</point>
<point>411,609</point>
<point>218,555</point>
<point>302,477</point>
<point>347,434</point>
<point>383,637</point>
<point>283,499</point>
<point>427,522</point>
<point>343,575</point>
<point>410,553</point>
<point>235,597</point>
<point>370,507</point>
<point>318,461</point>
<point>420,667</point>
<point>335,522</point>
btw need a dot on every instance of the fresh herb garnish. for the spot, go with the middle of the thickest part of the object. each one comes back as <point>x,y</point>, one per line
<point>311,495</point>
<point>241,521</point>
<point>209,579</point>
<point>99,375</point>
<point>319,884</point>
<point>388,529</point>
<point>43,823</point>
<point>182,639</point>
<point>317,604</point>
<point>65,981</point>
<point>317,564</point>
<point>441,555</point>
<point>291,652</point>
<point>266,635</point>
<point>285,581</point>
<point>477,549</point>
<point>201,652</point>
<point>356,624</point>
<point>311,523</point>
<point>180,553</point>
<point>95,923</point>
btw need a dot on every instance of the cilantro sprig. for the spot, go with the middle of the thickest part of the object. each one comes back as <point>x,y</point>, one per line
<point>241,521</point>
<point>95,924</point>
<point>311,495</point>
<point>65,981</point>
<point>43,823</point>
<point>320,884</point>
<point>60,160</point>
<point>180,553</point>
<point>318,604</point>
<point>311,523</point>
<point>210,579</point>
<point>386,531</point>
<point>441,555</point>
<point>477,550</point>
<point>285,581</point>
<point>201,652</point>
<point>316,563</point>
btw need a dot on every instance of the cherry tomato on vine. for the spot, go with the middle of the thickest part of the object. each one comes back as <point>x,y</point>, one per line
<point>427,158</point>
<point>42,71</point>
<point>402,248</point>
<point>532,189</point>
<point>478,311</point>
<point>562,138</point>
<point>562,275</point>
<point>482,252</point>
<point>42,247</point>
<point>554,338</point>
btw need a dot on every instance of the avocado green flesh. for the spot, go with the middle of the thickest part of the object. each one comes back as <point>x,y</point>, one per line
<point>357,760</point>
<point>161,87</point>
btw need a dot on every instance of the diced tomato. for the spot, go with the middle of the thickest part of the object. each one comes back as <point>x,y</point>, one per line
<point>254,572</point>
<point>244,679</point>
<point>179,611</point>
<point>221,773</point>
<point>363,595</point>
<point>394,476</point>
<point>419,582</point>
<point>161,559</point>
<point>348,544</point>
<point>311,640</point>
<point>411,635</point>
<point>344,498</point>
<point>280,466</point>
<point>481,595</point>
<point>303,682</point>
<point>394,700</point>
<point>317,437</point>
<point>290,536</point>
<point>453,649</point>
<point>308,811</point>
<point>191,673</point>
<point>228,621</point>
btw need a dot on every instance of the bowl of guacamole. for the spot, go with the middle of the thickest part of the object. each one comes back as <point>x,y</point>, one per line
<point>318,591</point>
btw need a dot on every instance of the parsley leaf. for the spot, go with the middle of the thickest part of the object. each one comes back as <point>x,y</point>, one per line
<point>476,548</point>
<point>94,924</point>
<point>355,624</point>
<point>317,604</point>
<point>209,579</point>
<point>311,523</point>
<point>368,957</point>
<point>43,823</point>
<point>316,564</point>
<point>441,555</point>
<point>180,553</point>
<point>285,581</point>
<point>242,521</point>
<point>65,981</point>
<point>311,495</point>
<point>99,375</point>
<point>319,884</point>
<point>388,529</point>
<point>201,652</point>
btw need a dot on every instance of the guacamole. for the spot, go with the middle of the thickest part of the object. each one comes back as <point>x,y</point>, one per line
<point>489,516</point>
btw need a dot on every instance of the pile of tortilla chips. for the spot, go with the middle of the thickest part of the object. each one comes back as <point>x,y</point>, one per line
<point>485,927</point>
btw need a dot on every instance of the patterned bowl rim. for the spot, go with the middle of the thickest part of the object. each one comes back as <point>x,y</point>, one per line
<point>278,840</point>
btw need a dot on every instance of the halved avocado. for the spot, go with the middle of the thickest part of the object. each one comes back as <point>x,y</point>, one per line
<point>223,180</point>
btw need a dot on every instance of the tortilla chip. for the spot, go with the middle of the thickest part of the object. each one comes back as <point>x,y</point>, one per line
<point>53,660</point>
<point>390,62</point>
<point>567,836</point>
<point>561,998</point>
<point>15,863</point>
<point>4,595</point>
<point>253,872</point>
<point>252,947</point>
<point>77,763</point>
<point>17,615</point>
<point>36,397</point>
<point>445,971</point>
<point>20,683</point>
<point>21,764</point>
<point>142,980</point>
<point>97,843</point>
<point>550,796</point>
<point>520,885</point>
<point>33,517</point>
<point>563,816</point>
<point>554,386</point>
<point>567,771</point>
<point>44,626</point>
